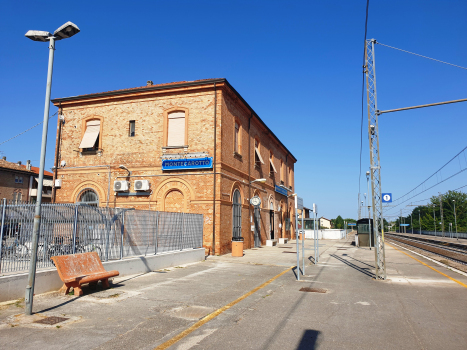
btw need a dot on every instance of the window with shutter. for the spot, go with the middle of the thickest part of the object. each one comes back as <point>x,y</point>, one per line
<point>90,139</point>
<point>176,129</point>
<point>236,138</point>
<point>272,168</point>
<point>258,158</point>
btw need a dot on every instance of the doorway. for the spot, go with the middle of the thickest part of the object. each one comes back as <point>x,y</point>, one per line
<point>271,220</point>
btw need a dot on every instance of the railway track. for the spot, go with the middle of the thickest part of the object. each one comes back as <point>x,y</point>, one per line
<point>455,252</point>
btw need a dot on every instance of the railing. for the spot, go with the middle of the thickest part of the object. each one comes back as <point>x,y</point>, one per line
<point>447,234</point>
<point>114,233</point>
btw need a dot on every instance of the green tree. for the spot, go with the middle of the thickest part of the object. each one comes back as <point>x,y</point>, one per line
<point>430,214</point>
<point>338,222</point>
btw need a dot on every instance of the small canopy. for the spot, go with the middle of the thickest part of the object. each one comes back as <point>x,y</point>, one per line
<point>91,134</point>
<point>272,165</point>
<point>259,155</point>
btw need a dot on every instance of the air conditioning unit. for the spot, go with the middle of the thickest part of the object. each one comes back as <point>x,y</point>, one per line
<point>141,185</point>
<point>58,182</point>
<point>121,186</point>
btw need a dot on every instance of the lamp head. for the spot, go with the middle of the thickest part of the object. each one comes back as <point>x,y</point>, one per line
<point>259,180</point>
<point>38,35</point>
<point>66,31</point>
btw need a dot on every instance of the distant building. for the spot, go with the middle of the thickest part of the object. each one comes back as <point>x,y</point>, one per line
<point>324,223</point>
<point>18,182</point>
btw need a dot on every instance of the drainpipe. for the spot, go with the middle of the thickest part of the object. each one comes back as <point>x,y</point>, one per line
<point>249,176</point>
<point>213,249</point>
<point>57,149</point>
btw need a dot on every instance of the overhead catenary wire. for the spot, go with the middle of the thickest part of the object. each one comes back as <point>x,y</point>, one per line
<point>424,205</point>
<point>435,173</point>
<point>416,54</point>
<point>25,131</point>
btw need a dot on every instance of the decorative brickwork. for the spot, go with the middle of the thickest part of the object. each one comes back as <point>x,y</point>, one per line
<point>182,190</point>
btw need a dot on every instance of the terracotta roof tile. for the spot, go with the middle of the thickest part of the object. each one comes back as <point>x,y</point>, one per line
<point>35,170</point>
<point>13,166</point>
<point>147,86</point>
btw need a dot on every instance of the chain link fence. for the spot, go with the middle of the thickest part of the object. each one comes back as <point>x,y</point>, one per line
<point>114,233</point>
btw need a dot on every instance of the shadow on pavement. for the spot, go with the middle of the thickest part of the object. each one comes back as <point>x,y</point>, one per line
<point>309,340</point>
<point>358,268</point>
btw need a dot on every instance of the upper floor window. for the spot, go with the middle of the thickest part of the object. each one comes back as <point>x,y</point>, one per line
<point>272,168</point>
<point>132,128</point>
<point>90,141</point>
<point>282,172</point>
<point>176,129</point>
<point>258,158</point>
<point>18,179</point>
<point>237,140</point>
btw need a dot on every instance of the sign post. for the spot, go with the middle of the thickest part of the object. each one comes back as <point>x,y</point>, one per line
<point>298,205</point>
<point>315,234</point>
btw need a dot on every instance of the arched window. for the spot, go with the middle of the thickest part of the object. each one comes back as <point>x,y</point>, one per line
<point>236,214</point>
<point>89,197</point>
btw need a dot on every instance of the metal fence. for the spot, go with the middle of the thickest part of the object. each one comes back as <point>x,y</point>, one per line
<point>447,234</point>
<point>114,233</point>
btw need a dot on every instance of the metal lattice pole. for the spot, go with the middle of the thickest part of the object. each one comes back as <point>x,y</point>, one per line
<point>375,169</point>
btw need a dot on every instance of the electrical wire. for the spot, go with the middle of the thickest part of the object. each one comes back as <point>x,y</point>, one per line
<point>436,172</point>
<point>25,131</point>
<point>416,54</point>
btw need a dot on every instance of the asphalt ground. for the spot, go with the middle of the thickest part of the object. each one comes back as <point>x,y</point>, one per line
<point>255,302</point>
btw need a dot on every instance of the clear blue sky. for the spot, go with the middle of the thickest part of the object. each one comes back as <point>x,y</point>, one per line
<point>298,64</point>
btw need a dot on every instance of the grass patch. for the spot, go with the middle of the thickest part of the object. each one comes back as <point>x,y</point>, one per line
<point>18,303</point>
<point>114,295</point>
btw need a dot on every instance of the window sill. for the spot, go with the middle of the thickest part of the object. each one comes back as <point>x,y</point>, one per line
<point>174,147</point>
<point>238,155</point>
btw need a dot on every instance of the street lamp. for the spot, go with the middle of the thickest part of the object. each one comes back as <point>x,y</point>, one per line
<point>434,218</point>
<point>65,31</point>
<point>261,181</point>
<point>455,218</point>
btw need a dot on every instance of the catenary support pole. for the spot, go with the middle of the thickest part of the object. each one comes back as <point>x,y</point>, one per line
<point>375,165</point>
<point>37,213</point>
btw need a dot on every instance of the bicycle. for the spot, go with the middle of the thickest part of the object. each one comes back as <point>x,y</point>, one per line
<point>15,249</point>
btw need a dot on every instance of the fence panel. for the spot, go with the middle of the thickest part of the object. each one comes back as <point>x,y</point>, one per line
<point>114,233</point>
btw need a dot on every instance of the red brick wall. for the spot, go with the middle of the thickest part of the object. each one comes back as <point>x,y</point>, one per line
<point>187,191</point>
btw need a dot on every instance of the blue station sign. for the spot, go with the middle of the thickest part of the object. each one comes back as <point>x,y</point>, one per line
<point>281,190</point>
<point>187,164</point>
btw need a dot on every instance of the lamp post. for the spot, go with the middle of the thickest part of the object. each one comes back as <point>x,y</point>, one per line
<point>434,218</point>
<point>65,31</point>
<point>419,221</point>
<point>255,215</point>
<point>455,218</point>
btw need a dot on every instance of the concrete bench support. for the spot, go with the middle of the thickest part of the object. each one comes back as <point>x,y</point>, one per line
<point>271,243</point>
<point>283,240</point>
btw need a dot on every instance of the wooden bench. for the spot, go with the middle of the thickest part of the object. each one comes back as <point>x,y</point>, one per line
<point>77,269</point>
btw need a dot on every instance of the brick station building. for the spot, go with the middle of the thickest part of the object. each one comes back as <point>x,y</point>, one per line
<point>196,145</point>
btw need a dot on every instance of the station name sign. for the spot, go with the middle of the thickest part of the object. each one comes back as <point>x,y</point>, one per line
<point>187,164</point>
<point>281,190</point>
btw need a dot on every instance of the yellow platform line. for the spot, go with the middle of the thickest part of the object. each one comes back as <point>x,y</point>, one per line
<point>216,313</point>
<point>421,262</point>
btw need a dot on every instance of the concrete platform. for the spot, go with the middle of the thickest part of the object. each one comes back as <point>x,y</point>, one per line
<point>416,308</point>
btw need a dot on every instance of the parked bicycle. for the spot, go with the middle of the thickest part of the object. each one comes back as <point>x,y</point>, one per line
<point>12,247</point>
